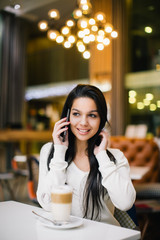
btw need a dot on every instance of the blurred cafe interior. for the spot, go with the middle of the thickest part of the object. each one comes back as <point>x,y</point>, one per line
<point>112,44</point>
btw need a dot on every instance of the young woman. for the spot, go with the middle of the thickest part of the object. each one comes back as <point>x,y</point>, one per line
<point>99,175</point>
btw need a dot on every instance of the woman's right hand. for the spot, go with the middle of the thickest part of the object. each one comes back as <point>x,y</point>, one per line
<point>59,128</point>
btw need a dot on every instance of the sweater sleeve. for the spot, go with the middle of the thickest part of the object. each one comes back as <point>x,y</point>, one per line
<point>116,179</point>
<point>56,175</point>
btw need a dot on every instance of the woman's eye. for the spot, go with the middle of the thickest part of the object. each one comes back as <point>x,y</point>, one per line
<point>76,114</point>
<point>93,115</point>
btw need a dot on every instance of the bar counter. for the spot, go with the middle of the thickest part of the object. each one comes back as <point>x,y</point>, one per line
<point>25,135</point>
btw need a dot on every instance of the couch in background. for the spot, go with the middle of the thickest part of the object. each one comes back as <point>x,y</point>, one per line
<point>140,152</point>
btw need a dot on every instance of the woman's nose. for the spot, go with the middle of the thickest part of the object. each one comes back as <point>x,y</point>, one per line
<point>84,120</point>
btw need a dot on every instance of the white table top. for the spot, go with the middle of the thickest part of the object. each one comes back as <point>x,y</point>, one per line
<point>17,222</point>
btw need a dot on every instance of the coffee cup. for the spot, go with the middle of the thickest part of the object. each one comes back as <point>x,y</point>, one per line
<point>61,201</point>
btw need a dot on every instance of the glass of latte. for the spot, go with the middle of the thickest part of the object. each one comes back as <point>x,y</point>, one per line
<point>61,201</point>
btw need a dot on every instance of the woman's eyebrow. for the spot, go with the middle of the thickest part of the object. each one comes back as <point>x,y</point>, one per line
<point>75,109</point>
<point>94,111</point>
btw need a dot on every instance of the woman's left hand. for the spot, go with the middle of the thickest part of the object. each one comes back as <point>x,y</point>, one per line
<point>104,142</point>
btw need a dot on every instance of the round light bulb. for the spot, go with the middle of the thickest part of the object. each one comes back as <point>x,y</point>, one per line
<point>52,34</point>
<point>82,1</point>
<point>54,14</point>
<point>71,39</point>
<point>148,29</point>
<point>81,34</point>
<point>101,33</point>
<point>100,46</point>
<point>149,96</point>
<point>65,30</point>
<point>82,23</point>
<point>158,103</point>
<point>79,43</point>
<point>106,41</point>
<point>99,39</point>
<point>86,40</point>
<point>92,21</point>
<point>114,34</point>
<point>91,37</point>
<point>140,105</point>
<point>60,39</point>
<point>67,44</point>
<point>86,54</point>
<point>94,28</point>
<point>146,102</point>
<point>81,48</point>
<point>100,17</point>
<point>77,13</point>
<point>43,25</point>
<point>108,28</point>
<point>152,107</point>
<point>132,93</point>
<point>85,7</point>
<point>86,31</point>
<point>70,23</point>
<point>132,100</point>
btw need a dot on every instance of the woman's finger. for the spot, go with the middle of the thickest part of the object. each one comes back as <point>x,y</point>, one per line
<point>58,133</point>
<point>60,127</point>
<point>60,123</point>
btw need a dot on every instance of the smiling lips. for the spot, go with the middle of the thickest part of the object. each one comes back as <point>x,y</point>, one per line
<point>83,131</point>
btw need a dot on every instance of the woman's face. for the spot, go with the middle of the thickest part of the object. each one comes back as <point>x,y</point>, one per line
<point>84,118</point>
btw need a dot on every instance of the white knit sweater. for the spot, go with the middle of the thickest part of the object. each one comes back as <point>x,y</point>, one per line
<point>115,178</point>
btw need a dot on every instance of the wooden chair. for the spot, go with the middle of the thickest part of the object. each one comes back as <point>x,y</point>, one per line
<point>127,219</point>
<point>5,178</point>
<point>33,167</point>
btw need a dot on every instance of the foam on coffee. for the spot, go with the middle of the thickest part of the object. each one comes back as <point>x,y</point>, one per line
<point>63,194</point>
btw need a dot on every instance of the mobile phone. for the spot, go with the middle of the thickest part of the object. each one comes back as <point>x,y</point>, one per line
<point>67,119</point>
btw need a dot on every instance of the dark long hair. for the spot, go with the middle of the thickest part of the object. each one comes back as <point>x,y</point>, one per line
<point>94,189</point>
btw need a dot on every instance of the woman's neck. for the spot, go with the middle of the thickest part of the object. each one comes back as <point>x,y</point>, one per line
<point>81,158</point>
<point>81,147</point>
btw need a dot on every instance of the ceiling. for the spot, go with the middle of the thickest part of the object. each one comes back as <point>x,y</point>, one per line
<point>144,12</point>
<point>35,10</point>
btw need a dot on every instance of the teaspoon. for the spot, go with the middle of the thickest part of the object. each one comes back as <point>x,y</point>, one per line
<point>52,221</point>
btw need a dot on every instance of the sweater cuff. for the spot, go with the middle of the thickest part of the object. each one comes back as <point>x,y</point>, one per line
<point>59,152</point>
<point>103,158</point>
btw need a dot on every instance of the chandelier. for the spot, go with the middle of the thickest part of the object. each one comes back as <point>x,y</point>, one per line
<point>82,29</point>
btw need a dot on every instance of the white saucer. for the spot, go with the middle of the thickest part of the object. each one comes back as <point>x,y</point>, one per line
<point>73,223</point>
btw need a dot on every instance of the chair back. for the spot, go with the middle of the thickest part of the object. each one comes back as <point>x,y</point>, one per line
<point>19,165</point>
<point>127,219</point>
<point>33,167</point>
